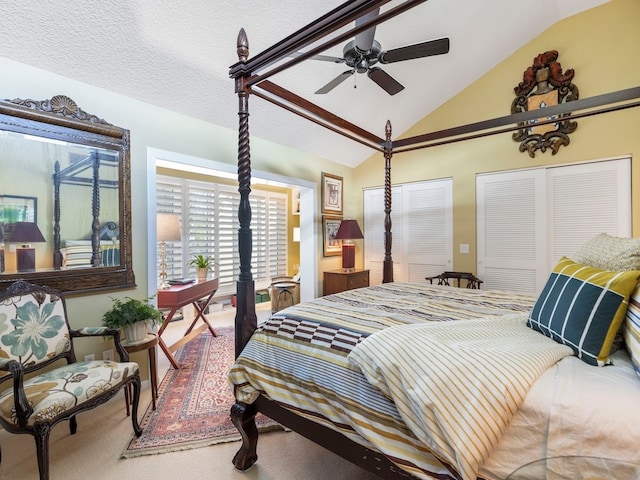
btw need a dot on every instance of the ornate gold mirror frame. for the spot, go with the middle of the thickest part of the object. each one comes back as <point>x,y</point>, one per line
<point>544,85</point>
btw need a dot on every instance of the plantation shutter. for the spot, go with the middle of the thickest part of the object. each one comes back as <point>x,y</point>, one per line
<point>209,218</point>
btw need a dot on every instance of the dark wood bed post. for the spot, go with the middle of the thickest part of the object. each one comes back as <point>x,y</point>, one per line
<point>387,266</point>
<point>246,321</point>
<point>242,415</point>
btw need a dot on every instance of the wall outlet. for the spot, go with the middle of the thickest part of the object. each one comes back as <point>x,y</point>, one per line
<point>90,358</point>
<point>107,355</point>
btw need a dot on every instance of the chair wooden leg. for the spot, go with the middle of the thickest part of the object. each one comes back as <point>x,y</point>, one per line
<point>41,436</point>
<point>73,425</point>
<point>137,386</point>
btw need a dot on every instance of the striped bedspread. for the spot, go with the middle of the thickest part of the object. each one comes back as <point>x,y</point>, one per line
<point>299,358</point>
<point>459,400</point>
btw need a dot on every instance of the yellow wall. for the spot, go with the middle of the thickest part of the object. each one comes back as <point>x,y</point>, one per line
<point>602,45</point>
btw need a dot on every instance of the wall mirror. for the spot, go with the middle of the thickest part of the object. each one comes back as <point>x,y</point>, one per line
<point>65,218</point>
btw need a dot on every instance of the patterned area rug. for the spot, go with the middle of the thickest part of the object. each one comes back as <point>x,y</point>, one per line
<point>194,401</point>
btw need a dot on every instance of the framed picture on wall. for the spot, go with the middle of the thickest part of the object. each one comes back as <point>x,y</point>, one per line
<point>331,194</point>
<point>14,208</point>
<point>330,225</point>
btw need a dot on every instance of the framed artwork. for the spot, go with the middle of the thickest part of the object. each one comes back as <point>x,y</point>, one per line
<point>330,225</point>
<point>14,208</point>
<point>331,194</point>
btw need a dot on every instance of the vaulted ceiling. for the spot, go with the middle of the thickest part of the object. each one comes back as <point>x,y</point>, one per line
<point>177,54</point>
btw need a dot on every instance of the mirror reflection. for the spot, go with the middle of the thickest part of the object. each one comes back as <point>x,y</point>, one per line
<point>66,192</point>
<point>65,195</point>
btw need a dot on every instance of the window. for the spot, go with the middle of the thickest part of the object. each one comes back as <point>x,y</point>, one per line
<point>209,218</point>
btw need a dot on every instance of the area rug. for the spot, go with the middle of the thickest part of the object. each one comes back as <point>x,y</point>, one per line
<point>194,401</point>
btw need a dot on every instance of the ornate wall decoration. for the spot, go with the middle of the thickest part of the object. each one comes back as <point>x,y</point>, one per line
<point>543,85</point>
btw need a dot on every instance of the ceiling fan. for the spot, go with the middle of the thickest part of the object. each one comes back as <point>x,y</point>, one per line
<point>364,52</point>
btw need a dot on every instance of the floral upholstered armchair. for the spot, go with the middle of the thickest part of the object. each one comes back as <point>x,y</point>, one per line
<point>35,339</point>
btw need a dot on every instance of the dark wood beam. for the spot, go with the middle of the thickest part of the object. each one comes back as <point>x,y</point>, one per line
<point>318,112</point>
<point>512,122</point>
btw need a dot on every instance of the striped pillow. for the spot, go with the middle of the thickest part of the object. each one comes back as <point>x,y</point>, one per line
<point>583,307</point>
<point>632,329</point>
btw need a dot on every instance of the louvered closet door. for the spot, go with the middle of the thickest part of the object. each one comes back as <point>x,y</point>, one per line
<point>586,200</point>
<point>528,219</point>
<point>422,232</point>
<point>373,231</point>
<point>511,238</point>
<point>428,230</point>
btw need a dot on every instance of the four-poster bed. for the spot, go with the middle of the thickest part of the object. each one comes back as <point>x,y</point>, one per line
<point>252,78</point>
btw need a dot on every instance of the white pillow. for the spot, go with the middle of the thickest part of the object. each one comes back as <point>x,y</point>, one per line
<point>607,252</point>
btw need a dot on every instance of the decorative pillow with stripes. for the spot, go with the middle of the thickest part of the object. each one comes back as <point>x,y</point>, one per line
<point>632,329</point>
<point>583,307</point>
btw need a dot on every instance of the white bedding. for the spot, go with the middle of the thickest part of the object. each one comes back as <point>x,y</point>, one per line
<point>574,409</point>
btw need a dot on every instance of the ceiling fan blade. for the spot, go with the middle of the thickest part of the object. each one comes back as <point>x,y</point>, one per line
<point>364,40</point>
<point>335,82</point>
<point>419,50</point>
<point>324,58</point>
<point>384,80</point>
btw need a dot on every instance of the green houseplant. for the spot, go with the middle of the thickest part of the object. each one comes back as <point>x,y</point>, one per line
<point>132,316</point>
<point>203,265</point>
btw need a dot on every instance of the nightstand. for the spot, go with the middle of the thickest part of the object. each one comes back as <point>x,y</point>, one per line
<point>336,281</point>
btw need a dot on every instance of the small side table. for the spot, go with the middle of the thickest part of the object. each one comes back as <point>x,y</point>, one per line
<point>282,290</point>
<point>149,343</point>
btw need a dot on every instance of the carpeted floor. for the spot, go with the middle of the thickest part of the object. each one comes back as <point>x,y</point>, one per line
<point>194,401</point>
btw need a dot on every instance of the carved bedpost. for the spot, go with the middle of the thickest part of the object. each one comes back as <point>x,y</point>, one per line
<point>387,268</point>
<point>242,415</point>
<point>246,321</point>
<point>57,255</point>
<point>95,210</point>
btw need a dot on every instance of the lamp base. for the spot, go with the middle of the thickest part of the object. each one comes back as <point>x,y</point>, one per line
<point>348,257</point>
<point>26,259</point>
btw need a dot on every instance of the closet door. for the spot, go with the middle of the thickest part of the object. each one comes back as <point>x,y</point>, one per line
<point>511,234</point>
<point>374,232</point>
<point>528,219</point>
<point>427,222</point>
<point>585,200</point>
<point>422,230</point>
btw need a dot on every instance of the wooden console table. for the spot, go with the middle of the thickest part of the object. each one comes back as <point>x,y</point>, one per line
<point>199,295</point>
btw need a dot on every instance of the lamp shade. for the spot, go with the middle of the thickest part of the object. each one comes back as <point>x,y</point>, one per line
<point>23,232</point>
<point>168,227</point>
<point>349,230</point>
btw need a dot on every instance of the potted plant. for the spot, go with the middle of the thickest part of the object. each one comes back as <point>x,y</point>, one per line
<point>203,265</point>
<point>133,317</point>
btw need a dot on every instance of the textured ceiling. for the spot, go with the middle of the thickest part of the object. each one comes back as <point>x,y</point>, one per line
<point>177,55</point>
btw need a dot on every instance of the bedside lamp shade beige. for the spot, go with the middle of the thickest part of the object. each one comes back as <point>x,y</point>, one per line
<point>167,230</point>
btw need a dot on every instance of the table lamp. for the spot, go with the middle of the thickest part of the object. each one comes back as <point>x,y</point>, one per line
<point>347,232</point>
<point>24,233</point>
<point>1,249</point>
<point>167,230</point>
